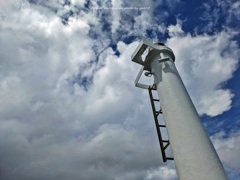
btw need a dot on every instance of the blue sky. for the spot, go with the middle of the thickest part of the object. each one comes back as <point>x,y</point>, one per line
<point>68,105</point>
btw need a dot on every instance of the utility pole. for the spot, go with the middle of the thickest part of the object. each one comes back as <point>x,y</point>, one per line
<point>193,152</point>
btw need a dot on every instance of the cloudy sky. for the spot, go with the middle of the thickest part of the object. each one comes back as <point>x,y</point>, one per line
<point>68,105</point>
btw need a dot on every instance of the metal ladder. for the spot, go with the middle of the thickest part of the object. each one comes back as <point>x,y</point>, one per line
<point>164,144</point>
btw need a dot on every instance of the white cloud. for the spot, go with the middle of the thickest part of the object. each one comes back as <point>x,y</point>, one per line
<point>78,2</point>
<point>219,14</point>
<point>175,30</point>
<point>219,102</point>
<point>235,10</point>
<point>165,173</point>
<point>205,62</point>
<point>52,128</point>
<point>116,14</point>
<point>228,150</point>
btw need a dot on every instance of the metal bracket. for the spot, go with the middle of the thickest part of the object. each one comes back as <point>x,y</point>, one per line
<point>136,82</point>
<point>137,58</point>
<point>143,45</point>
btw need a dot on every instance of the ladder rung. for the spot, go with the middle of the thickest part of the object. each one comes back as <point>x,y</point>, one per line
<point>166,141</point>
<point>162,125</point>
<point>169,158</point>
<point>155,99</point>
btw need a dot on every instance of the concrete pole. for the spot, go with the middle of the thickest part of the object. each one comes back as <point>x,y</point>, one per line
<point>194,155</point>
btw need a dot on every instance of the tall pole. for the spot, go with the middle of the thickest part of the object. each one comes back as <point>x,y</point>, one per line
<point>194,154</point>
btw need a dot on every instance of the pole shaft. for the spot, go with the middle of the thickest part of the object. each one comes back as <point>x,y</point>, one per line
<point>194,155</point>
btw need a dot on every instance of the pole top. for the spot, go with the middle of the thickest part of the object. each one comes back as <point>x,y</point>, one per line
<point>157,47</point>
<point>152,50</point>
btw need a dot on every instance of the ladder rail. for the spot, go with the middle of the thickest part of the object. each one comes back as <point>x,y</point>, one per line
<point>158,126</point>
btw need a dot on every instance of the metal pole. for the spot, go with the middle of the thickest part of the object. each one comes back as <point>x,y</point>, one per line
<point>194,155</point>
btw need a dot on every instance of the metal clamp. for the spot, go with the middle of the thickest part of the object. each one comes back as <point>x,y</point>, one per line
<point>136,82</point>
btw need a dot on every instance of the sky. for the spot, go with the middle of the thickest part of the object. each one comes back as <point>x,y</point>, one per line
<point>68,105</point>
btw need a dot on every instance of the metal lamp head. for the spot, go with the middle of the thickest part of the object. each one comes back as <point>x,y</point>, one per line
<point>155,49</point>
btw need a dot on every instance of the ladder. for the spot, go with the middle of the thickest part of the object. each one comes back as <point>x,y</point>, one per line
<point>164,144</point>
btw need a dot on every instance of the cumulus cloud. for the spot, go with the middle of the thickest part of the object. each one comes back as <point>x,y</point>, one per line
<point>175,30</point>
<point>219,102</point>
<point>228,149</point>
<point>205,62</point>
<point>69,108</point>
<point>162,173</point>
<point>60,129</point>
